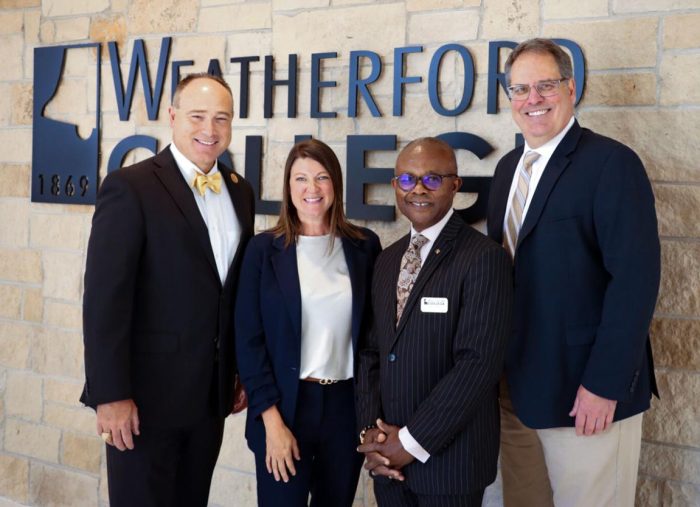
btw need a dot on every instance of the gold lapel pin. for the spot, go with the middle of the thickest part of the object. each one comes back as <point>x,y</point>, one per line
<point>234,178</point>
<point>437,251</point>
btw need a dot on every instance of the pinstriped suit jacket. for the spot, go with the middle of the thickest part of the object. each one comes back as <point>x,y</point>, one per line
<point>437,373</point>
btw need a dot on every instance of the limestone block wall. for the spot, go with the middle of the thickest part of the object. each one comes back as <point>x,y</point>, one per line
<point>642,87</point>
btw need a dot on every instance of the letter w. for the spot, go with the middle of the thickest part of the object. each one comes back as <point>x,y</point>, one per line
<point>138,60</point>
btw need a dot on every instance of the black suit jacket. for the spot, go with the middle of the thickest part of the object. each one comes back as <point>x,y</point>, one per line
<point>156,317</point>
<point>437,373</point>
<point>268,326</point>
<point>586,273</point>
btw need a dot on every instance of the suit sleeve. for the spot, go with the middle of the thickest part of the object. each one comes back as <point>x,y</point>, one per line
<point>369,405</point>
<point>479,344</point>
<point>111,273</point>
<point>373,248</point>
<point>251,200</point>
<point>626,228</point>
<point>254,366</point>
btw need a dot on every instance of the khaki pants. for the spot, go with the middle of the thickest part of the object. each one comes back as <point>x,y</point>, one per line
<point>555,467</point>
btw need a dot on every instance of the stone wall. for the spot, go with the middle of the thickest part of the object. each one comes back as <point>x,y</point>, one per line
<point>643,88</point>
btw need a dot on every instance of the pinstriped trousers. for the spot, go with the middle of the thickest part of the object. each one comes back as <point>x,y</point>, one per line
<point>396,494</point>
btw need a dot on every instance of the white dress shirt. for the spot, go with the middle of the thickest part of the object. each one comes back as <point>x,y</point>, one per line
<point>431,233</point>
<point>217,211</point>
<point>546,151</point>
<point>326,309</point>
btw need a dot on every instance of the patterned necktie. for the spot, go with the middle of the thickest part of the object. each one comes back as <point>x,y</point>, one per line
<point>517,205</point>
<point>410,266</point>
<point>202,182</point>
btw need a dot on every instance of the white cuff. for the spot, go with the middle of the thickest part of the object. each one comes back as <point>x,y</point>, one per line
<point>412,447</point>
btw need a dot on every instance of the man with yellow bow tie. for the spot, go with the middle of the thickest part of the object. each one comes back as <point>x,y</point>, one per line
<point>163,258</point>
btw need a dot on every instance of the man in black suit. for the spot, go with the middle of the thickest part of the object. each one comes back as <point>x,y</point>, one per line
<point>167,238</point>
<point>429,370</point>
<point>576,212</point>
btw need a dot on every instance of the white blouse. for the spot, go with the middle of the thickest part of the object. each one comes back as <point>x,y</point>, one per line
<point>326,309</point>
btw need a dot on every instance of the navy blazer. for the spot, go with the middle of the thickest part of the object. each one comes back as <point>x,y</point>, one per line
<point>268,322</point>
<point>586,273</point>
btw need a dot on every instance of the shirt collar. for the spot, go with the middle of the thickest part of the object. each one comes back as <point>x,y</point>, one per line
<point>434,231</point>
<point>547,149</point>
<point>188,168</point>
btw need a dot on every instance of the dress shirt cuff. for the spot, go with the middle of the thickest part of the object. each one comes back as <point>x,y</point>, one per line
<point>412,447</point>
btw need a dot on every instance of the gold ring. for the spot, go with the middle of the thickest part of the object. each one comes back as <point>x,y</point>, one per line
<point>107,437</point>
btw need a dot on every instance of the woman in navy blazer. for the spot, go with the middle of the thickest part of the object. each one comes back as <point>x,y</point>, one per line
<point>303,302</point>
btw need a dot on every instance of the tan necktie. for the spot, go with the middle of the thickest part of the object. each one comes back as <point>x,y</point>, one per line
<point>203,181</point>
<point>410,266</point>
<point>517,205</point>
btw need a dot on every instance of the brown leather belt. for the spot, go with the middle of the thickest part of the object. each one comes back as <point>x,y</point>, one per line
<point>322,381</point>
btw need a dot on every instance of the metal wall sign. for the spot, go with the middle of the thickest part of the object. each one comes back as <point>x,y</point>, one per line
<point>65,167</point>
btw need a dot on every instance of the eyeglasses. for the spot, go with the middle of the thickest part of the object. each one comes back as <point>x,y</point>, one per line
<point>408,182</point>
<point>547,88</point>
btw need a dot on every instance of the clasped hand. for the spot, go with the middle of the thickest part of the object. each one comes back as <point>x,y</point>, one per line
<point>384,453</point>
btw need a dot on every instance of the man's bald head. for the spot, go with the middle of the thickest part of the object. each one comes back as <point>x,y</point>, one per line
<point>432,145</point>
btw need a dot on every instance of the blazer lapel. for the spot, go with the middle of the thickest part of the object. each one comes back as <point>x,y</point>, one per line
<point>241,203</point>
<point>284,264</point>
<point>356,260</point>
<point>441,249</point>
<point>500,197</point>
<point>556,166</point>
<point>238,197</point>
<point>168,173</point>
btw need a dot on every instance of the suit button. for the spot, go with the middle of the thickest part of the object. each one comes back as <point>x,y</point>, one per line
<point>392,357</point>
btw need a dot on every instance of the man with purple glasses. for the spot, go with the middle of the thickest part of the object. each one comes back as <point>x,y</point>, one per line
<point>429,370</point>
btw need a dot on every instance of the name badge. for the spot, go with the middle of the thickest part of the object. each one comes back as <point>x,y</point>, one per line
<point>433,305</point>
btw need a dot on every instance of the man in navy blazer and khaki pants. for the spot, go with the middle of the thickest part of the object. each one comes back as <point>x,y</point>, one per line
<point>428,375</point>
<point>576,212</point>
<point>162,266</point>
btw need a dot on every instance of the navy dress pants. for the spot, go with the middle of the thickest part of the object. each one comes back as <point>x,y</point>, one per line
<point>326,433</point>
